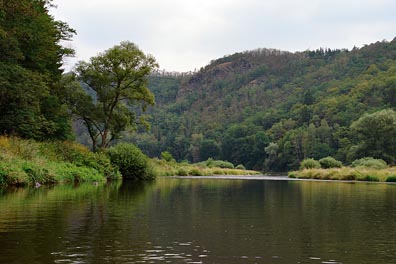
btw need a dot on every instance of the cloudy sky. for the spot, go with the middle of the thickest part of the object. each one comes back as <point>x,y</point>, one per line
<point>186,34</point>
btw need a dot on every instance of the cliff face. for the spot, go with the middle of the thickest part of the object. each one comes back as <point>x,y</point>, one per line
<point>213,73</point>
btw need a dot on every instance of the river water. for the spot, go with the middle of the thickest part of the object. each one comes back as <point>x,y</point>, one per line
<point>176,220</point>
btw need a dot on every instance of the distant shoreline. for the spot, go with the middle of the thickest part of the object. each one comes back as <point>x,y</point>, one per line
<point>265,177</point>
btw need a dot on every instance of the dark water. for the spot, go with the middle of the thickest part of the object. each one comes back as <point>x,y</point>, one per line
<point>200,221</point>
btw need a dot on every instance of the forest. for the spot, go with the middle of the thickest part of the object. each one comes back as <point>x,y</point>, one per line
<point>270,109</point>
<point>263,109</point>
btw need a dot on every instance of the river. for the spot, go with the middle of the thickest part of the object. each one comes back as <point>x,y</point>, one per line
<point>174,220</point>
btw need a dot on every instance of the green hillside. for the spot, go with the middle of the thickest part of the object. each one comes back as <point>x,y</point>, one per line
<point>269,109</point>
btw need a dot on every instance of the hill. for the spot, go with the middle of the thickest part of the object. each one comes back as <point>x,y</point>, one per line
<point>269,109</point>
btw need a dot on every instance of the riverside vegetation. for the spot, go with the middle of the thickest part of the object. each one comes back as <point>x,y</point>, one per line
<point>365,169</point>
<point>264,109</point>
<point>27,162</point>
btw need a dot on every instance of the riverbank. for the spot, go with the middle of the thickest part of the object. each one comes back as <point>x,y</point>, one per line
<point>162,167</point>
<point>27,162</point>
<point>347,174</point>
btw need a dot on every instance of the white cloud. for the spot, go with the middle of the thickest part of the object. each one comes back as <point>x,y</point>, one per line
<point>187,34</point>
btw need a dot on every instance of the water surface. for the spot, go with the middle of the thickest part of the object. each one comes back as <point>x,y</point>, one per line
<point>200,221</point>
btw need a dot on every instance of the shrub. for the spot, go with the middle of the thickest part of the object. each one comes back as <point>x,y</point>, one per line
<point>222,164</point>
<point>80,156</point>
<point>131,162</point>
<point>218,172</point>
<point>182,172</point>
<point>166,155</point>
<point>370,163</point>
<point>391,178</point>
<point>368,178</point>
<point>240,167</point>
<point>211,163</point>
<point>195,172</point>
<point>330,162</point>
<point>309,164</point>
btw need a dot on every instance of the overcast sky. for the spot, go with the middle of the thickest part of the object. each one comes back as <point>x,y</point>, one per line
<point>186,34</point>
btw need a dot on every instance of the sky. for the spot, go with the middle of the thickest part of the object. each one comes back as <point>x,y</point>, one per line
<point>184,35</point>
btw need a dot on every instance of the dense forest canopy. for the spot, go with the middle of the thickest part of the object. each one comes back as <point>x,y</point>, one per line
<point>270,109</point>
<point>30,69</point>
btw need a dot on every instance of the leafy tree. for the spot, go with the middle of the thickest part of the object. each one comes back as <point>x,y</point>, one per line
<point>209,149</point>
<point>115,81</point>
<point>376,135</point>
<point>30,60</point>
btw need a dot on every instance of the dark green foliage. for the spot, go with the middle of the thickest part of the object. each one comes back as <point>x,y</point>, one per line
<point>369,162</point>
<point>376,135</point>
<point>391,178</point>
<point>131,162</point>
<point>330,162</point>
<point>309,164</point>
<point>30,61</point>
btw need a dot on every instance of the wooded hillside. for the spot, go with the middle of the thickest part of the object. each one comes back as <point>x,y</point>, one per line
<point>269,109</point>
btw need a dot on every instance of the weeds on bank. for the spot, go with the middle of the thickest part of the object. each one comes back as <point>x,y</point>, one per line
<point>24,162</point>
<point>162,167</point>
<point>347,174</point>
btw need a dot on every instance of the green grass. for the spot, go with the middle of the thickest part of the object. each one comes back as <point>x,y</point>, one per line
<point>162,167</point>
<point>26,162</point>
<point>348,174</point>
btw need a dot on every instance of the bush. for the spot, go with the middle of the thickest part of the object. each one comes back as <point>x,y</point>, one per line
<point>182,172</point>
<point>309,164</point>
<point>166,155</point>
<point>391,178</point>
<point>195,172</point>
<point>131,162</point>
<point>80,156</point>
<point>330,162</point>
<point>240,167</point>
<point>370,163</point>
<point>211,163</point>
<point>371,178</point>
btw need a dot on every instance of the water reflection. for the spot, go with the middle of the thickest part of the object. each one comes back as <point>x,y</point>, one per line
<point>199,221</point>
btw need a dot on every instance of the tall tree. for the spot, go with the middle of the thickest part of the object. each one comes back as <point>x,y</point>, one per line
<point>376,135</point>
<point>115,80</point>
<point>30,69</point>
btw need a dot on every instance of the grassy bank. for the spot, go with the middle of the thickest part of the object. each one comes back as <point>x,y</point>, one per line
<point>162,167</point>
<point>26,162</point>
<point>348,174</point>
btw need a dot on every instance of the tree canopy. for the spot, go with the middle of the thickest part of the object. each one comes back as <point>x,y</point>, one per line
<point>375,135</point>
<point>30,69</point>
<point>113,83</point>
